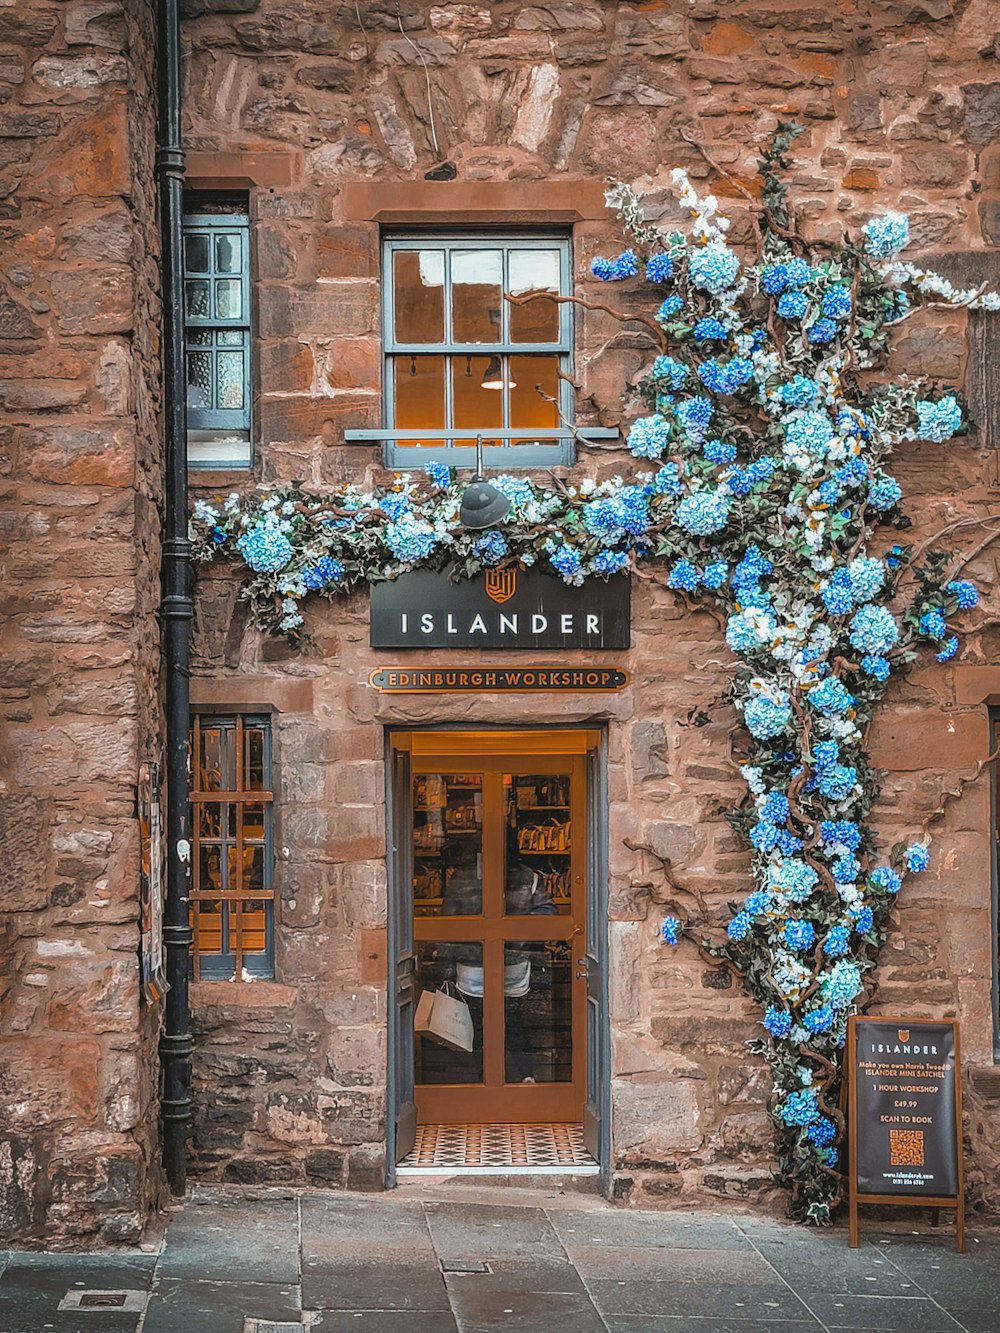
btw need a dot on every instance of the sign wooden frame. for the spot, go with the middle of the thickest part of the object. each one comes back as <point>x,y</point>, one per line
<point>935,1202</point>
<point>565,679</point>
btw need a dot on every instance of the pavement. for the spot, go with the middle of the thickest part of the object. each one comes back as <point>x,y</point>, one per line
<point>473,1257</point>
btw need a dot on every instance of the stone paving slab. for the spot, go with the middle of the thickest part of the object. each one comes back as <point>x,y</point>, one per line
<point>218,1240</point>
<point>182,1305</point>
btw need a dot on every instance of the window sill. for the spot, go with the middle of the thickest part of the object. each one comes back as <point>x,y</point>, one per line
<point>241,995</point>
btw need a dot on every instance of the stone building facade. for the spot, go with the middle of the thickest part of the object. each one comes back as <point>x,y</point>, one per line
<point>336,126</point>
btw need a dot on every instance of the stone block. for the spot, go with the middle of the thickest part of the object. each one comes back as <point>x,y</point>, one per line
<point>366,1168</point>
<point>356,1056</point>
<point>655,1116</point>
<point>333,76</point>
<point>95,23</point>
<point>981,124</point>
<point>23,885</point>
<point>91,159</point>
<point>327,1165</point>
<point>353,1117</point>
<point>48,1081</point>
<point>908,743</point>
<point>96,454</point>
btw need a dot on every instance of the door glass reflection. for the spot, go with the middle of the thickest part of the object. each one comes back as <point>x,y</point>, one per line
<point>539,844</point>
<point>448,844</point>
<point>538,1014</point>
<point>441,969</point>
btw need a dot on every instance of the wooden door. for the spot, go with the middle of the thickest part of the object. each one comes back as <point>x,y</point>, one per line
<point>499,900</point>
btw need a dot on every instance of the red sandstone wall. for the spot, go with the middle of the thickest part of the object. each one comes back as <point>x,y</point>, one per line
<point>79,543</point>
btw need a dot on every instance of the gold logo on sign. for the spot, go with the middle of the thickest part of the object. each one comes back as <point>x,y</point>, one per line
<point>904,1034</point>
<point>501,584</point>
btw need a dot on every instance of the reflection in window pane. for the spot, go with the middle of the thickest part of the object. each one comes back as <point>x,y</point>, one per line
<point>199,377</point>
<point>457,964</point>
<point>210,867</point>
<point>534,271</point>
<point>228,253</point>
<point>528,409</point>
<point>419,389</point>
<point>476,300</point>
<point>229,366</point>
<point>537,877</point>
<point>253,758</point>
<point>418,295</point>
<point>196,299</point>
<point>447,845</point>
<point>196,253</point>
<point>228,298</point>
<point>253,821</point>
<point>210,760</point>
<point>475,407</point>
<point>213,819</point>
<point>538,1012</point>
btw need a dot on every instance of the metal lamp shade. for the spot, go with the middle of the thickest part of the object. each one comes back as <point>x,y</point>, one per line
<point>482,505</point>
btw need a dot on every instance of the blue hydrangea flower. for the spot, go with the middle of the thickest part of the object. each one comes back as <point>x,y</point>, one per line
<point>792,305</point>
<point>265,548</point>
<point>515,489</point>
<point>684,576</point>
<point>798,272</point>
<point>703,512</point>
<point>837,942</point>
<point>713,267</point>
<point>673,305</point>
<point>853,472</point>
<point>719,451</point>
<point>917,858</point>
<point>824,1131</point>
<point>873,664</point>
<point>845,869</point>
<point>566,560</point>
<point>410,538</point>
<point>840,833</point>
<point>777,1021</point>
<point>932,623</point>
<point>609,562</point>
<point>739,928</point>
<point>837,782</point>
<point>867,578</point>
<point>765,836</point>
<point>799,1108</point>
<point>765,718</point>
<point>665,368</point>
<point>819,1020</point>
<point>668,480</point>
<point>613,515</point>
<point>727,378</point>
<point>775,808</point>
<point>694,415</point>
<point>886,879</point>
<point>964,593</point>
<point>938,421</point>
<point>649,436</point>
<point>841,984</point>
<point>616,270</point>
<point>884,493</point>
<point>757,902</point>
<point>761,470</point>
<point>325,570</point>
<point>830,697</point>
<point>440,475</point>
<point>799,935</point>
<point>394,504</point>
<point>491,547</point>
<point>774,279</point>
<point>822,331</point>
<point>826,753</point>
<point>603,269</point>
<point>715,574</point>
<point>887,235</point>
<point>670,929</point>
<point>709,330</point>
<point>874,630</point>
<point>659,267</point>
<point>812,431</point>
<point>864,919</point>
<point>752,568</point>
<point>829,1156</point>
<point>793,877</point>
<point>799,392</point>
<point>837,302</point>
<point>948,649</point>
<point>837,599</point>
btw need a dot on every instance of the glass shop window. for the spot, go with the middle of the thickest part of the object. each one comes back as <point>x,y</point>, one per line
<point>217,335</point>
<point>475,343</point>
<point>232,824</point>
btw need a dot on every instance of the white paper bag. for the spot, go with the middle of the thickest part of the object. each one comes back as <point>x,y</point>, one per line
<point>445,1019</point>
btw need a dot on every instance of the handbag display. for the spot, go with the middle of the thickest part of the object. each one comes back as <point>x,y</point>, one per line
<point>444,1018</point>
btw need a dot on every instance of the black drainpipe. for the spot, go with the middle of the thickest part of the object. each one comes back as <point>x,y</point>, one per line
<point>176,608</point>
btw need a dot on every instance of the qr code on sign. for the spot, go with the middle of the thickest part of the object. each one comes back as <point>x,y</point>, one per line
<point>906,1147</point>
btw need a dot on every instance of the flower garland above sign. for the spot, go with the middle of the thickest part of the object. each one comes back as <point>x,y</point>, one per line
<point>766,444</point>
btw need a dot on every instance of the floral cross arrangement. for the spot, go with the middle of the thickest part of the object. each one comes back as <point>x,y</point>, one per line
<point>770,438</point>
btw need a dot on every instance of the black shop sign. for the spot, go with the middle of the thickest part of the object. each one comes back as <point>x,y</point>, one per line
<point>905,1113</point>
<point>501,608</point>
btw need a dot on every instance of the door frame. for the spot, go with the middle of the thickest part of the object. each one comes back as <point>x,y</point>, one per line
<point>400,903</point>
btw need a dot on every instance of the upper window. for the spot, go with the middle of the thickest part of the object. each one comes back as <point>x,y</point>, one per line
<point>217,337</point>
<point>462,359</point>
<point>232,816</point>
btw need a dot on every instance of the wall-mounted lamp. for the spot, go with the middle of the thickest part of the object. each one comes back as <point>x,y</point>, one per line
<point>494,378</point>
<point>483,505</point>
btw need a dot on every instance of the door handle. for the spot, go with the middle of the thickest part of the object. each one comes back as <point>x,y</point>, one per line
<point>584,965</point>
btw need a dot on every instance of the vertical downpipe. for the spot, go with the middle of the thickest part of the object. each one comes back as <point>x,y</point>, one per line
<point>176,608</point>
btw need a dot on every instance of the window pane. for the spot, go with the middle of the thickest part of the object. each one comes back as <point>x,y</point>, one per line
<point>196,253</point>
<point>229,338</point>
<point>209,776</point>
<point>199,337</point>
<point>528,409</point>
<point>539,842</point>
<point>253,821</point>
<point>228,298</point>
<point>252,868</point>
<point>460,964</point>
<point>229,366</point>
<point>418,294</point>
<point>208,924</point>
<point>476,300</point>
<point>213,820</point>
<point>534,271</point>
<point>210,868</point>
<point>254,775</point>
<point>254,923</point>
<point>199,377</point>
<point>196,299</point>
<point>538,1012</point>
<point>419,387</point>
<point>476,407</point>
<point>228,253</point>
<point>448,845</point>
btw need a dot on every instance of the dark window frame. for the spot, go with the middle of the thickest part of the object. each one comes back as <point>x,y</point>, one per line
<point>230,964</point>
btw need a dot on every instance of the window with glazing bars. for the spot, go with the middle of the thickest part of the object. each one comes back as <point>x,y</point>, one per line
<point>232,816</point>
<point>462,359</point>
<point>217,338</point>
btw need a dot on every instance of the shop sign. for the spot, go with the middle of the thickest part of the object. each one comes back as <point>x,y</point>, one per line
<point>497,680</point>
<point>905,1112</point>
<point>501,608</point>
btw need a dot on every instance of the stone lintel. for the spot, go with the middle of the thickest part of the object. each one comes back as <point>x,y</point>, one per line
<point>239,170</point>
<point>251,695</point>
<point>475,201</point>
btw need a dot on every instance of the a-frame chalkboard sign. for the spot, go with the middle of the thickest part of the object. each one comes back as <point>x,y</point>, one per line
<point>905,1116</point>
